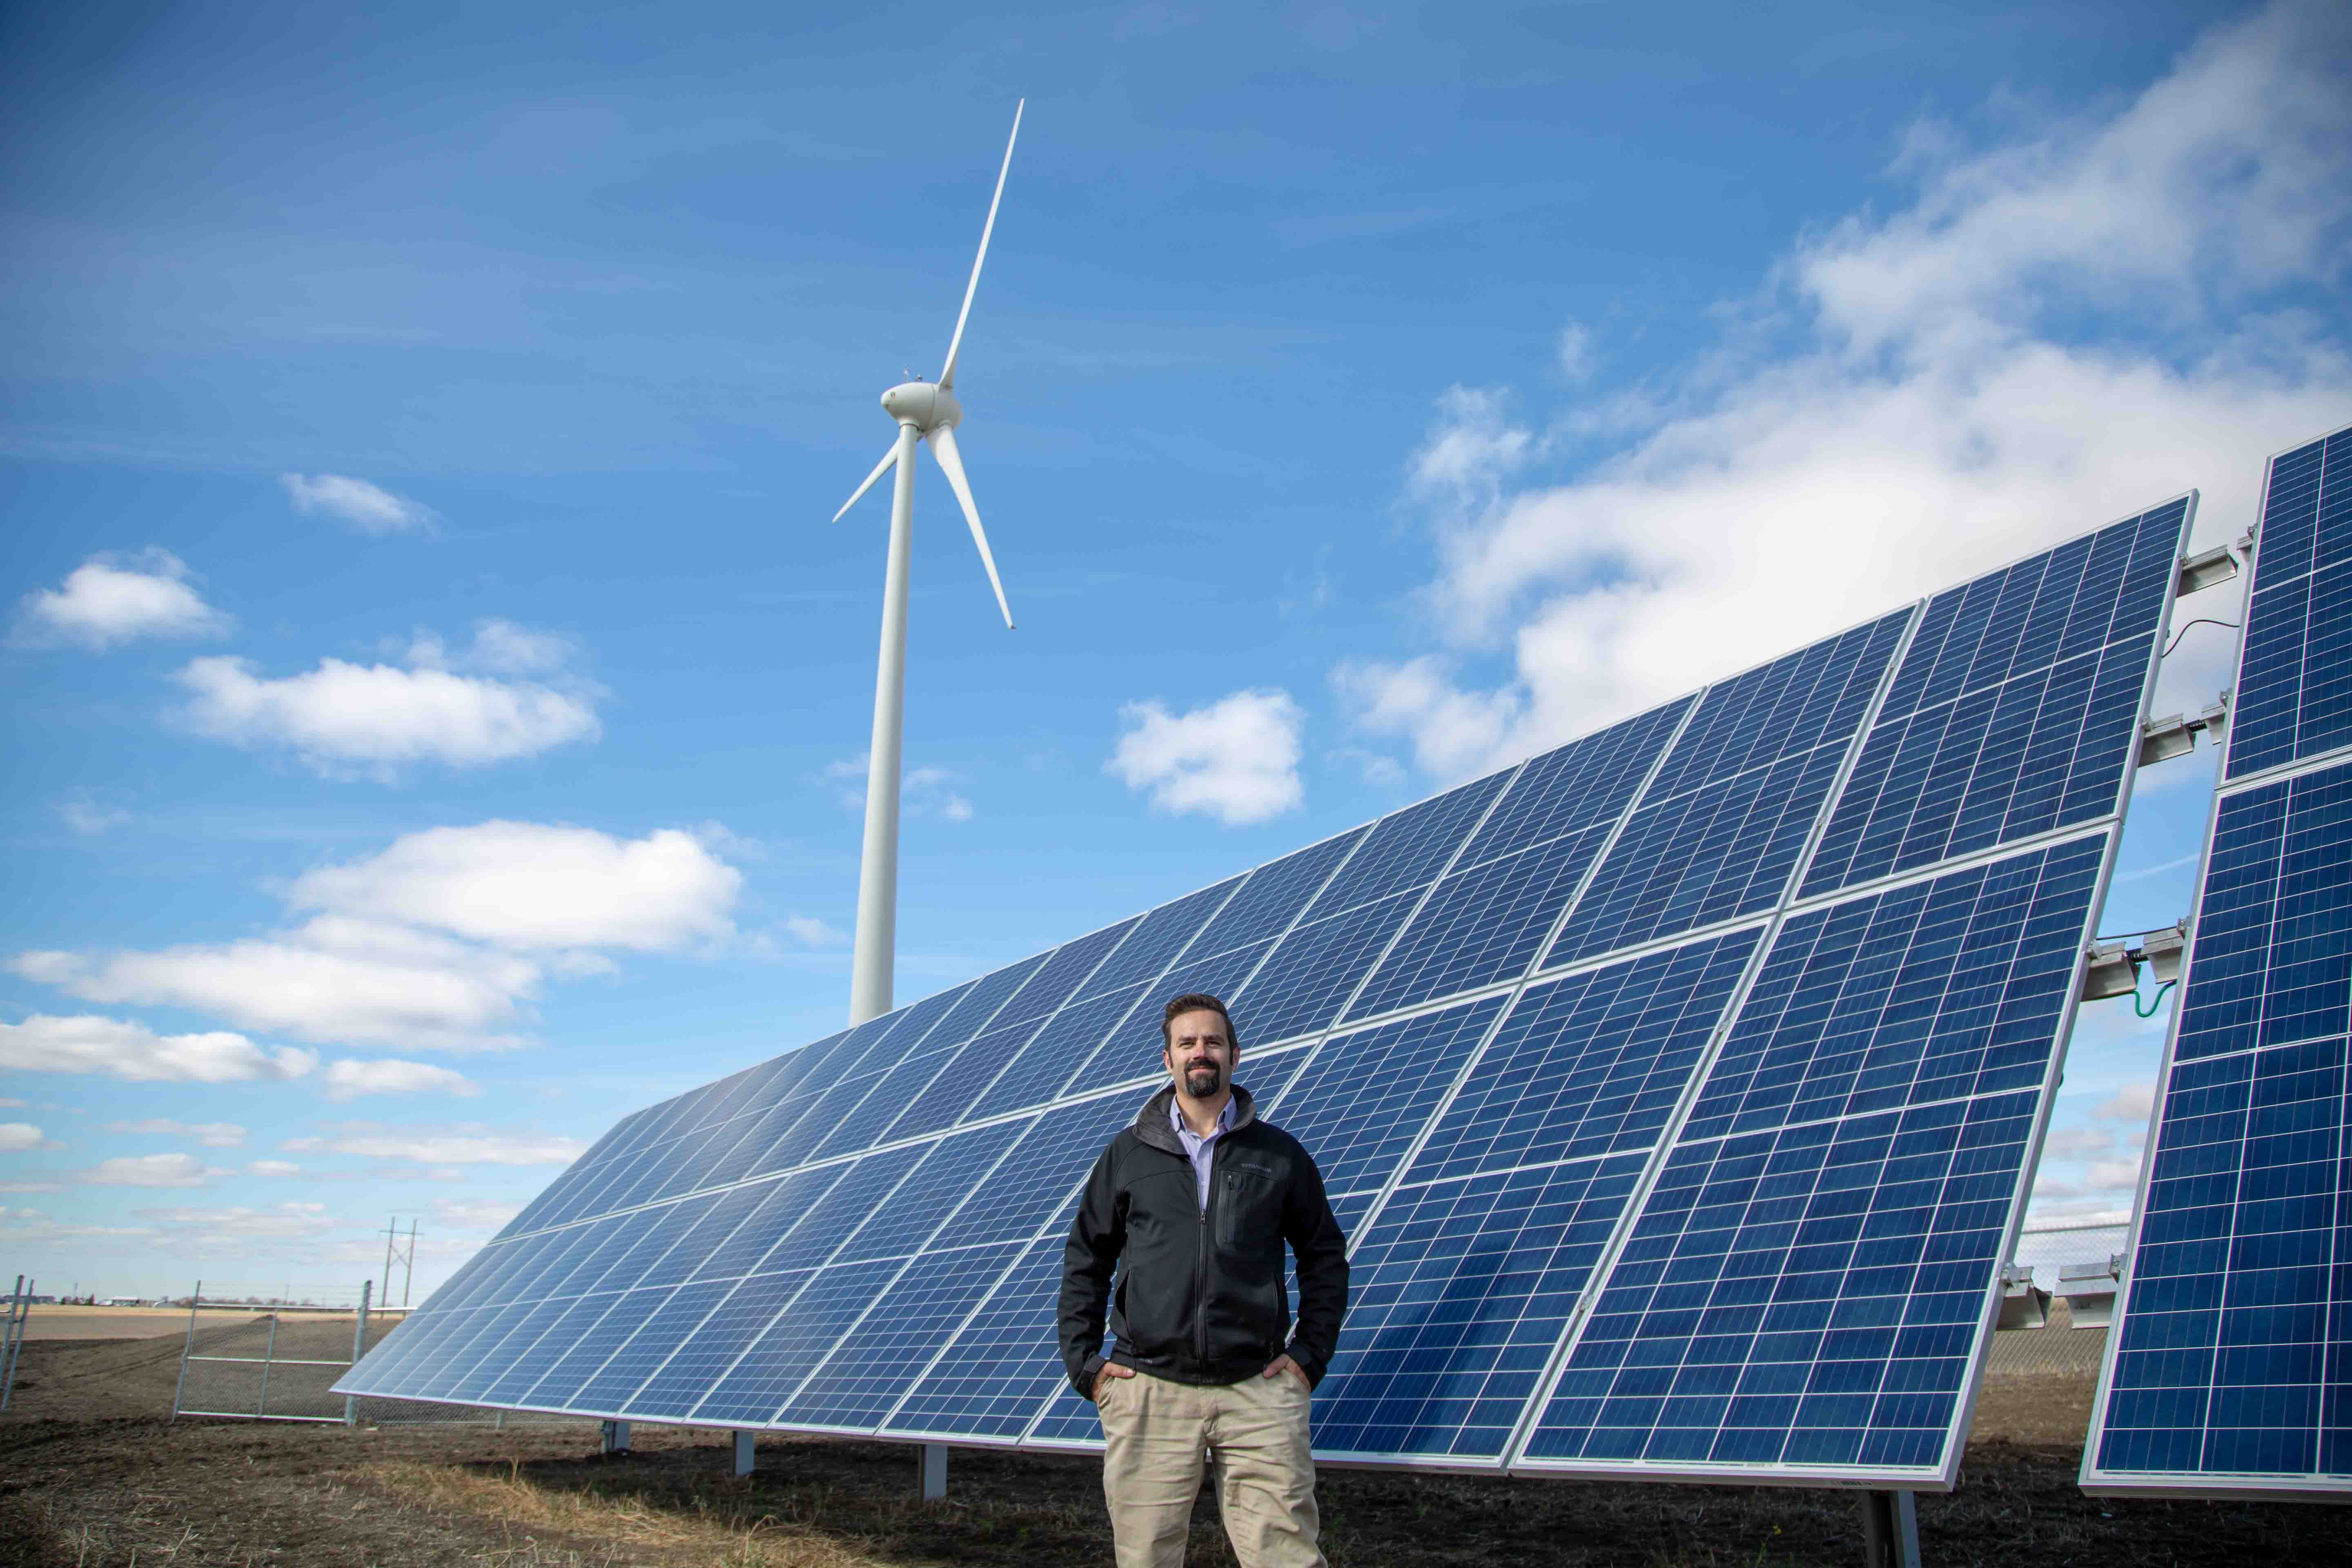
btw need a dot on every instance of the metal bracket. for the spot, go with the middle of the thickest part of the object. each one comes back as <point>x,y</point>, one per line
<point>2206,568</point>
<point>2023,1304</point>
<point>2089,1290</point>
<point>1890,1529</point>
<point>2174,735</point>
<point>931,1471</point>
<point>2114,968</point>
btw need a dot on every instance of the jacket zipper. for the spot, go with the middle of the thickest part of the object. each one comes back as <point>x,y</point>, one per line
<point>1201,1263</point>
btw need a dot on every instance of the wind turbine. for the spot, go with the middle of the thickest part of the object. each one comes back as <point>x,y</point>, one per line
<point>929,412</point>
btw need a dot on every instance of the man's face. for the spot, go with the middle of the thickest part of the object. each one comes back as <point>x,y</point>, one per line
<point>1200,1053</point>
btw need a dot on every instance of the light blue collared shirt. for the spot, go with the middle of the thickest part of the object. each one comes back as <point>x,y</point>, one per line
<point>1200,1149</point>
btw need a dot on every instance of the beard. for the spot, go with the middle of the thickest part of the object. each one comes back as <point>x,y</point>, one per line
<point>1201,1081</point>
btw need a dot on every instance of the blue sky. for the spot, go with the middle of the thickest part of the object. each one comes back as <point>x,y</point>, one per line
<point>1357,400</point>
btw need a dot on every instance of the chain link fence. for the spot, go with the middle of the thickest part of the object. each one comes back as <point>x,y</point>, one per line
<point>2059,1293</point>
<point>265,1355</point>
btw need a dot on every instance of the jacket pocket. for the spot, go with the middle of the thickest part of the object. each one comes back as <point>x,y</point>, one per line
<point>1249,1207</point>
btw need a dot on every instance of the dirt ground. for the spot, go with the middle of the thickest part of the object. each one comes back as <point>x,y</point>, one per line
<point>93,1476</point>
<point>120,1322</point>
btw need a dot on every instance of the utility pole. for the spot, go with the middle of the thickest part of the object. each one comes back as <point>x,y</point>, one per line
<point>406,1255</point>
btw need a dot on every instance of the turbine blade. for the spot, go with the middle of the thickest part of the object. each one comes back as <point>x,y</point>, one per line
<point>946,377</point>
<point>943,447</point>
<point>880,468</point>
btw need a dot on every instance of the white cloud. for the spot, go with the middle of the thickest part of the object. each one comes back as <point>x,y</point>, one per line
<point>35,1226</point>
<point>537,886</point>
<point>348,1079</point>
<point>110,599</point>
<point>922,792</point>
<point>211,1134</point>
<point>1574,353</point>
<point>2133,1104</point>
<point>14,1104</point>
<point>90,820</point>
<point>272,1168</point>
<point>1236,759</point>
<point>247,1233</point>
<point>149,1171</point>
<point>473,1216</point>
<point>381,716</point>
<point>332,980</point>
<point>466,1144</point>
<point>18,1137</point>
<point>368,508</point>
<point>133,1052</point>
<point>810,931</point>
<point>440,942</point>
<point>2053,333</point>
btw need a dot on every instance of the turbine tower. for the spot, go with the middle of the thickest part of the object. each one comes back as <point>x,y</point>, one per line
<point>927,412</point>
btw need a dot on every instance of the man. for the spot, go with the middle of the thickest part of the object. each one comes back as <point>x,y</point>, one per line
<point>1191,1206</point>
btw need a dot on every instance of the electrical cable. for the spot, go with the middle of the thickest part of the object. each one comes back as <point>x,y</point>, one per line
<point>2200,621</point>
<point>2154,1002</point>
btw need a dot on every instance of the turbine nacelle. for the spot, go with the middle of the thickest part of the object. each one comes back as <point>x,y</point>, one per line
<point>926,406</point>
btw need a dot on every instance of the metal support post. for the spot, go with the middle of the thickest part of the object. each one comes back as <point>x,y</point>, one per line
<point>743,1457</point>
<point>269,1354</point>
<point>181,1387</point>
<point>933,1470</point>
<point>20,1307</point>
<point>617,1437</point>
<point>1890,1529</point>
<point>359,1348</point>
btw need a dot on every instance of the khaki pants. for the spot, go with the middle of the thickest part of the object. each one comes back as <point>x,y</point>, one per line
<point>1256,1430</point>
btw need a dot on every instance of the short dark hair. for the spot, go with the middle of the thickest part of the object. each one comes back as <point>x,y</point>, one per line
<point>1196,1002</point>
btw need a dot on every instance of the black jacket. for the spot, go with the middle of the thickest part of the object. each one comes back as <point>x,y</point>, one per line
<point>1200,1296</point>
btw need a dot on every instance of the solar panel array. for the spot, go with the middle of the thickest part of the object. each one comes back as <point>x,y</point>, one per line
<point>2229,1365</point>
<point>1676,1090</point>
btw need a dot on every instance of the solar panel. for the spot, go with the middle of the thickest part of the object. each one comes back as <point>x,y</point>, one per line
<point>2293,696</point>
<point>2229,1362</point>
<point>1802,1291</point>
<point>1530,1028</point>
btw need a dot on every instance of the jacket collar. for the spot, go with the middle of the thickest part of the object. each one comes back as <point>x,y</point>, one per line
<point>1151,1121</point>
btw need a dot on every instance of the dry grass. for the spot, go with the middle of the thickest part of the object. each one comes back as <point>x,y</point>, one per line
<point>712,1528</point>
